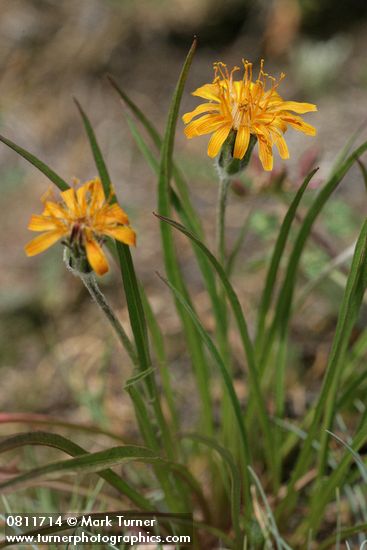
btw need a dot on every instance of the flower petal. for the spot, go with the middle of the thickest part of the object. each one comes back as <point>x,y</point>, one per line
<point>299,124</point>
<point>97,198</point>
<point>42,242</point>
<point>81,195</point>
<point>241,143</point>
<point>42,223</point>
<point>69,199</point>
<point>55,210</point>
<point>294,106</point>
<point>115,214</point>
<point>208,91</point>
<point>122,233</point>
<point>271,98</point>
<point>203,108</point>
<point>217,140</point>
<point>96,256</point>
<point>239,89</point>
<point>203,125</point>
<point>281,145</point>
<point>279,125</point>
<point>265,153</point>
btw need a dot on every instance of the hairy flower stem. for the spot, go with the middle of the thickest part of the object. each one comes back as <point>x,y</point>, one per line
<point>90,283</point>
<point>224,184</point>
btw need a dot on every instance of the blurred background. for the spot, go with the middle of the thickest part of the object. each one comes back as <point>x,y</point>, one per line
<point>58,356</point>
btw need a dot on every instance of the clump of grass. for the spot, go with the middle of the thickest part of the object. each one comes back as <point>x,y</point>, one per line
<point>267,482</point>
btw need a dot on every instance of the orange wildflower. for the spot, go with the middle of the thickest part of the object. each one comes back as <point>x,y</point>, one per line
<point>82,219</point>
<point>247,108</point>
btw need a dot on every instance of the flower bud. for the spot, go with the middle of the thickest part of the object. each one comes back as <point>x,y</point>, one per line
<point>227,164</point>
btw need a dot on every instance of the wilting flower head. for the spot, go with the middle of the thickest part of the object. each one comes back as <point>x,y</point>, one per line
<point>81,218</point>
<point>247,108</point>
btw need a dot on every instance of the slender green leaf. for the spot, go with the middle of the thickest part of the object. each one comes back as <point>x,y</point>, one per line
<point>138,377</point>
<point>325,403</point>
<point>283,306</point>
<point>137,318</point>
<point>245,338</point>
<point>344,152</point>
<point>363,172</point>
<point>235,499</point>
<point>166,159</point>
<point>135,308</point>
<point>226,378</point>
<point>98,462</point>
<point>343,534</point>
<point>239,243</point>
<point>277,256</point>
<point>34,419</point>
<point>328,271</point>
<point>176,498</point>
<point>280,543</point>
<point>159,347</point>
<point>63,444</point>
<point>42,167</point>
<point>187,219</point>
<point>172,267</point>
<point>357,457</point>
<point>136,312</point>
<point>97,154</point>
<point>350,389</point>
<point>170,254</point>
<point>327,489</point>
<point>356,286</point>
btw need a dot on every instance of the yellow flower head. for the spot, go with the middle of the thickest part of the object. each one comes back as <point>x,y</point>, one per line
<point>82,218</point>
<point>247,108</point>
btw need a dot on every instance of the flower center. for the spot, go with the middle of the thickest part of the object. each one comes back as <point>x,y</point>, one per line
<point>239,111</point>
<point>78,230</point>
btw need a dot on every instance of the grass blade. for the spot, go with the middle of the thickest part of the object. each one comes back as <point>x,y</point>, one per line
<point>245,338</point>
<point>325,404</point>
<point>335,480</point>
<point>97,463</point>
<point>283,306</point>
<point>276,258</point>
<point>137,319</point>
<point>160,352</point>
<point>344,152</point>
<point>34,419</point>
<point>226,378</point>
<point>363,172</point>
<point>280,543</point>
<point>63,444</point>
<point>166,159</point>
<point>171,262</point>
<point>169,249</point>
<point>42,167</point>
<point>356,286</point>
<point>204,266</point>
<point>343,534</point>
<point>97,154</point>
<point>235,499</point>
<point>133,300</point>
<point>361,465</point>
<point>238,243</point>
